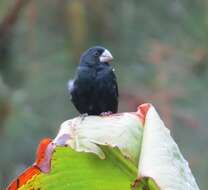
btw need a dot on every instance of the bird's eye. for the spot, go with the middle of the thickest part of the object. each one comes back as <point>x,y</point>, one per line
<point>96,54</point>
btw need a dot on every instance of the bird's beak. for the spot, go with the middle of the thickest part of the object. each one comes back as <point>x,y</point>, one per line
<point>106,56</point>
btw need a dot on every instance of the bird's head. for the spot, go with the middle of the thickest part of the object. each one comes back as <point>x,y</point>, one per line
<point>96,55</point>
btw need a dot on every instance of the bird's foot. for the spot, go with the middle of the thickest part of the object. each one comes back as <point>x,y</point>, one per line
<point>83,116</point>
<point>106,113</point>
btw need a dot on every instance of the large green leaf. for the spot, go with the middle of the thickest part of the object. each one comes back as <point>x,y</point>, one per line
<point>73,170</point>
<point>123,151</point>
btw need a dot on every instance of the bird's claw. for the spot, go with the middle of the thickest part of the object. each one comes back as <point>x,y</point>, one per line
<point>106,113</point>
<point>83,116</point>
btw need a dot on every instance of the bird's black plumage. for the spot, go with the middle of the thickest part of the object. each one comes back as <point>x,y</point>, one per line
<point>94,89</point>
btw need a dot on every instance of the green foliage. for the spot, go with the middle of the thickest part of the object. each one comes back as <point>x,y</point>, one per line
<point>73,170</point>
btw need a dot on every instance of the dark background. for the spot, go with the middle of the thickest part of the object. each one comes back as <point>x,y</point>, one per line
<point>161,56</point>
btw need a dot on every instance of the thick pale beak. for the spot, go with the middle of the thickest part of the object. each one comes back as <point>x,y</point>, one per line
<point>106,56</point>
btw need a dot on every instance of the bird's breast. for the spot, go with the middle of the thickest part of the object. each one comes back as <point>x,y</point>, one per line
<point>103,70</point>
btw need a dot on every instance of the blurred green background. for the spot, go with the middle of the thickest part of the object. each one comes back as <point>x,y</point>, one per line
<point>161,56</point>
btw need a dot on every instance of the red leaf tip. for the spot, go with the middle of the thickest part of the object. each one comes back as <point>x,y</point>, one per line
<point>142,111</point>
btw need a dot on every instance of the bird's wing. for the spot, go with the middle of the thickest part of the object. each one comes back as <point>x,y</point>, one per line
<point>115,93</point>
<point>106,91</point>
<point>114,84</point>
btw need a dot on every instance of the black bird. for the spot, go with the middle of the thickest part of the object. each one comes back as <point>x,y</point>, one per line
<point>94,90</point>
